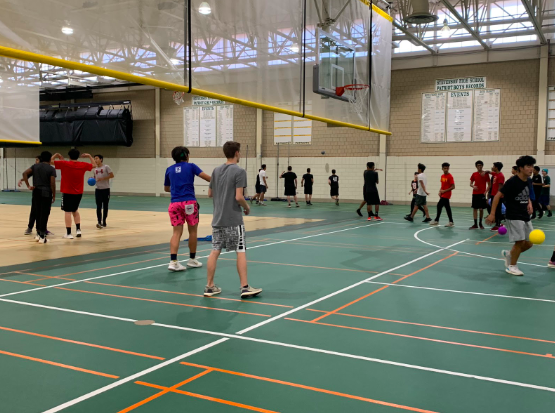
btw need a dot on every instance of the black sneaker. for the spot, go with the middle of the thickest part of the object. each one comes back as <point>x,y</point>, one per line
<point>549,214</point>
<point>98,225</point>
<point>249,292</point>
<point>359,213</point>
<point>29,231</point>
<point>426,220</point>
<point>408,218</point>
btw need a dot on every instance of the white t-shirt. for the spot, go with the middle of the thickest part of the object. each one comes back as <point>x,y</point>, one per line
<point>261,176</point>
<point>422,177</point>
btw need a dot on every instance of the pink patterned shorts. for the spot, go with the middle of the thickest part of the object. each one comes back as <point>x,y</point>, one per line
<point>184,212</point>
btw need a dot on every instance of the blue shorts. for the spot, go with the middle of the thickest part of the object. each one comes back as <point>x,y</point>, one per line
<point>544,200</point>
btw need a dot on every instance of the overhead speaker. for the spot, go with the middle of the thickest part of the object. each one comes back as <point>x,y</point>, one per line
<point>421,13</point>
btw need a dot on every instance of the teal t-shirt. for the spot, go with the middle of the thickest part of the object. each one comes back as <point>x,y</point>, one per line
<point>546,181</point>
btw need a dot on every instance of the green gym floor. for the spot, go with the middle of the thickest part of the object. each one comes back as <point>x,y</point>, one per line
<point>355,316</point>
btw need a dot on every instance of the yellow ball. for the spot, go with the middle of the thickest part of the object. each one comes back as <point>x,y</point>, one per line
<point>537,236</point>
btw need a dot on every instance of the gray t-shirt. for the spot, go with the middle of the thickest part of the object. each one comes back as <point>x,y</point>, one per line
<point>42,172</point>
<point>102,172</point>
<point>225,180</point>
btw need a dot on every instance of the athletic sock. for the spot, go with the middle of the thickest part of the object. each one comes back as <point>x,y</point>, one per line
<point>78,225</point>
<point>192,255</point>
<point>475,222</point>
<point>480,222</point>
<point>68,229</point>
<point>245,287</point>
<point>173,257</point>
<point>370,214</point>
<point>553,257</point>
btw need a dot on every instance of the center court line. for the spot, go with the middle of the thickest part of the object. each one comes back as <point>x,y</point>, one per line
<point>238,335</point>
<point>203,257</point>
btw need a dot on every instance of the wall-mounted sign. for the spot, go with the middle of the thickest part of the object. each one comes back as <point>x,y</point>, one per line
<point>476,82</point>
<point>202,101</point>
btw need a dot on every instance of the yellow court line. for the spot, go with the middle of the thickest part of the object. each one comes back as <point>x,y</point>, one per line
<point>68,64</point>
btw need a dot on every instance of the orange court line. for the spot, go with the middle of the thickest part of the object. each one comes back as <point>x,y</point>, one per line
<point>188,294</point>
<point>42,276</point>
<point>111,267</point>
<point>490,237</point>
<point>80,343</point>
<point>438,327</point>
<point>160,301</point>
<point>297,265</point>
<point>426,339</point>
<point>57,364</point>
<point>205,397</point>
<point>382,288</point>
<point>19,281</point>
<point>165,391</point>
<point>306,387</point>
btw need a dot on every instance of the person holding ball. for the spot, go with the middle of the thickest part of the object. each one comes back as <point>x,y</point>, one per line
<point>516,195</point>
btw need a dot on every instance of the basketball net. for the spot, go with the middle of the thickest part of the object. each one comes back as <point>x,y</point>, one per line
<point>178,97</point>
<point>358,98</point>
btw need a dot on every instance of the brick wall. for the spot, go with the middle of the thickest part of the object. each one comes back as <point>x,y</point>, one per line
<point>518,81</point>
<point>336,141</point>
<point>550,145</point>
<point>172,135</point>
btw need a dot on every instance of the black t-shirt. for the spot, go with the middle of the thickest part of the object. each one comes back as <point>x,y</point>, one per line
<point>537,179</point>
<point>334,179</point>
<point>289,178</point>
<point>308,180</point>
<point>42,172</point>
<point>414,186</point>
<point>517,194</point>
<point>370,181</point>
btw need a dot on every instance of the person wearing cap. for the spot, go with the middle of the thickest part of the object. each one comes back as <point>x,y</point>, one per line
<point>545,193</point>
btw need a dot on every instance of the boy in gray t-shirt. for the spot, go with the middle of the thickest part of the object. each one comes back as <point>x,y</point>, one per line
<point>102,174</point>
<point>226,188</point>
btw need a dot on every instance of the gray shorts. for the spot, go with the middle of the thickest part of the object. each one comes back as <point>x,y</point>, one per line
<point>518,230</point>
<point>420,200</point>
<point>230,238</point>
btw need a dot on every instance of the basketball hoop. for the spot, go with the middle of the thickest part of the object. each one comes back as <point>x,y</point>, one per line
<point>178,97</point>
<point>358,98</point>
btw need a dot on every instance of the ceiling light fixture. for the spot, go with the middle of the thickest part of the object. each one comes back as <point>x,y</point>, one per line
<point>445,30</point>
<point>175,61</point>
<point>204,8</point>
<point>294,48</point>
<point>67,30</point>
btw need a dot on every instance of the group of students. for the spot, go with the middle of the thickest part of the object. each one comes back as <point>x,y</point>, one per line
<point>226,188</point>
<point>291,184</point>
<point>73,172</point>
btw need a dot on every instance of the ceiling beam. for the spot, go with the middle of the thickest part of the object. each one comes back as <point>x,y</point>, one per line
<point>414,38</point>
<point>534,19</point>
<point>465,24</point>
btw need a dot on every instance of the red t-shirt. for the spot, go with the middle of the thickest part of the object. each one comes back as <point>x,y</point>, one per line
<point>498,178</point>
<point>73,175</point>
<point>447,181</point>
<point>479,181</point>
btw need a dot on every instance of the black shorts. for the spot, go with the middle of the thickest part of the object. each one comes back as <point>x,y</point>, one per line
<point>70,202</point>
<point>290,191</point>
<point>257,188</point>
<point>372,199</point>
<point>308,190</point>
<point>262,189</point>
<point>334,192</point>
<point>479,201</point>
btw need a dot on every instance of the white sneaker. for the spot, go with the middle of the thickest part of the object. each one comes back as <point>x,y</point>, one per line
<point>98,226</point>
<point>68,236</point>
<point>450,224</point>
<point>78,233</point>
<point>505,254</point>
<point>514,270</point>
<point>289,206</point>
<point>37,237</point>
<point>434,223</point>
<point>175,266</point>
<point>249,292</point>
<point>42,241</point>
<point>194,263</point>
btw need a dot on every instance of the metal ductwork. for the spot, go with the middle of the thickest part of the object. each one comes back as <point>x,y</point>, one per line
<point>421,13</point>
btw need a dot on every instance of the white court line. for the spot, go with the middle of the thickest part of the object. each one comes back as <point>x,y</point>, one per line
<point>202,257</point>
<point>463,291</point>
<point>282,315</point>
<point>470,254</point>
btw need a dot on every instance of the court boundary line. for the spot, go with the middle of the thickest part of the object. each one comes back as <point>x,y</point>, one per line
<point>202,257</point>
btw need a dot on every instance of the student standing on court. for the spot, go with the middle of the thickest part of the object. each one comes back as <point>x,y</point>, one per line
<point>545,202</point>
<point>263,185</point>
<point>228,230</point>
<point>497,181</point>
<point>537,183</point>
<point>44,192</point>
<point>516,194</point>
<point>32,214</point>
<point>257,187</point>
<point>307,182</point>
<point>447,187</point>
<point>413,191</point>
<point>371,195</point>
<point>290,181</point>
<point>333,181</point>
<point>480,183</point>
<point>102,174</point>
<point>421,195</point>
<point>180,182</point>
<point>73,174</point>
